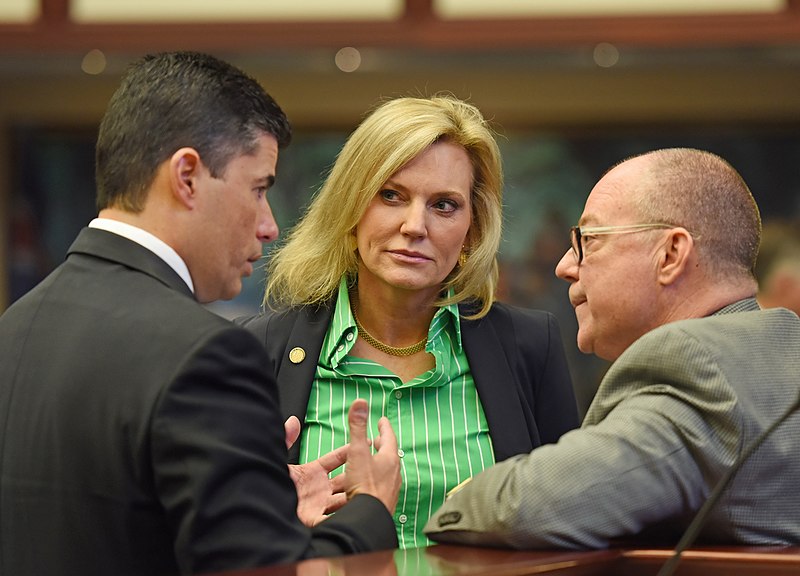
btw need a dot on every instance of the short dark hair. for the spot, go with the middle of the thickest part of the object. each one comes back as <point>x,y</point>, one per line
<point>174,99</point>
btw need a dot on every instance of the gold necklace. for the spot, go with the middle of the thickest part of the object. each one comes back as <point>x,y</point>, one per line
<point>377,344</point>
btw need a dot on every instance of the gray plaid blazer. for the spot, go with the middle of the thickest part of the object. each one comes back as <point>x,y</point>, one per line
<point>670,416</point>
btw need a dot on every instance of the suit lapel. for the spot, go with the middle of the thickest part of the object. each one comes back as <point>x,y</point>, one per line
<point>116,248</point>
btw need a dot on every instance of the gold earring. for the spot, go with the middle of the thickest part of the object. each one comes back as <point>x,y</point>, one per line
<point>462,259</point>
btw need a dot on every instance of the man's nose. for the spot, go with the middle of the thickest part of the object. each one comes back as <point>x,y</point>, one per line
<point>267,228</point>
<point>567,267</point>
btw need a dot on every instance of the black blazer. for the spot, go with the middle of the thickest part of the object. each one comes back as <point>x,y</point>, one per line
<point>516,357</point>
<point>140,433</point>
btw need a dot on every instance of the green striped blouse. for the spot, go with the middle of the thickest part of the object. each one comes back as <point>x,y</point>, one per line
<point>441,429</point>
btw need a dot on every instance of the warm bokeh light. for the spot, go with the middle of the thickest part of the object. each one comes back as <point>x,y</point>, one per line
<point>94,62</point>
<point>348,59</point>
<point>606,55</point>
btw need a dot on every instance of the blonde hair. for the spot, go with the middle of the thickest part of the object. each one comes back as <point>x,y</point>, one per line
<point>307,268</point>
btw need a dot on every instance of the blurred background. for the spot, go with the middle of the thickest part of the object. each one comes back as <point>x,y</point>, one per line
<point>571,86</point>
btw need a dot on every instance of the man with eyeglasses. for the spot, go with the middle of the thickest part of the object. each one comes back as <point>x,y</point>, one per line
<point>661,278</point>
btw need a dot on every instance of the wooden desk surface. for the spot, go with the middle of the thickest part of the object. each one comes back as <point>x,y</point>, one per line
<point>444,560</point>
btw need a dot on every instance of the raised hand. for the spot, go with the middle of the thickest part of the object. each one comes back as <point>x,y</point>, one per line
<point>377,475</point>
<point>317,496</point>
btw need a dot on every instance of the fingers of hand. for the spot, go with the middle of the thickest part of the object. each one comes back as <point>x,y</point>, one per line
<point>387,442</point>
<point>295,473</point>
<point>332,460</point>
<point>338,483</point>
<point>335,502</point>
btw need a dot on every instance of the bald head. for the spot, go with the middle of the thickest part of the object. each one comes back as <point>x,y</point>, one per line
<point>664,236</point>
<point>701,192</point>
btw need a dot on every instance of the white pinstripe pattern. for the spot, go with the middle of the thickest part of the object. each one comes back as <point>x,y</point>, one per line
<point>437,417</point>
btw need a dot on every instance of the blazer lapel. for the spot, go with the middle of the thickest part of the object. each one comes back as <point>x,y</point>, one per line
<point>306,332</point>
<point>497,388</point>
<point>510,426</point>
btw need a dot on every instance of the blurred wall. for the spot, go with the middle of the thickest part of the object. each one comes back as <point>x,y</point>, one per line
<point>570,95</point>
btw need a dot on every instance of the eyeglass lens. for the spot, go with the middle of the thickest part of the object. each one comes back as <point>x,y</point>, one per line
<point>575,238</point>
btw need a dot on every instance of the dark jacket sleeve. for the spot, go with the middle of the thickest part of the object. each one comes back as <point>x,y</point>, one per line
<point>219,464</point>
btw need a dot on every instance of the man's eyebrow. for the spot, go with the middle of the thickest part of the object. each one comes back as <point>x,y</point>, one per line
<point>267,181</point>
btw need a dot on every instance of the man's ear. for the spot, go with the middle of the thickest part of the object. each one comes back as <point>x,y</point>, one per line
<point>185,167</point>
<point>678,254</point>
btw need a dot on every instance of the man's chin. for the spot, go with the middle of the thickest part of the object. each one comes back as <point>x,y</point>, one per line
<point>234,292</point>
<point>228,293</point>
<point>584,341</point>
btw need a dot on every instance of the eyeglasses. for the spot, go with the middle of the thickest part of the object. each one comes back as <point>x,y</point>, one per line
<point>576,233</point>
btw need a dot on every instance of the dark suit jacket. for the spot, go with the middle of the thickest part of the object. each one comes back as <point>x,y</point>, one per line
<point>516,357</point>
<point>140,433</point>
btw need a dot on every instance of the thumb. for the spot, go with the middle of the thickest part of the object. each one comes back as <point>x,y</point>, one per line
<point>357,419</point>
<point>291,429</point>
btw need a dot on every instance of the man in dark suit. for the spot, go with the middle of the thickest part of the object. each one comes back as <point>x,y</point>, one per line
<point>140,433</point>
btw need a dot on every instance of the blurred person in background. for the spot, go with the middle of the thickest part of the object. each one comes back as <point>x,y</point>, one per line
<point>778,265</point>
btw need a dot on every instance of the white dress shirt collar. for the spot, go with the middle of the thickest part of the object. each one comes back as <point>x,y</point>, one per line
<point>149,241</point>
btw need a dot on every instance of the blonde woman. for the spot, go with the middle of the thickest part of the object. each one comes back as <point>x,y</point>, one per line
<point>385,291</point>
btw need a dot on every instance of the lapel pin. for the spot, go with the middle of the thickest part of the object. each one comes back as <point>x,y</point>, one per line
<point>297,355</point>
